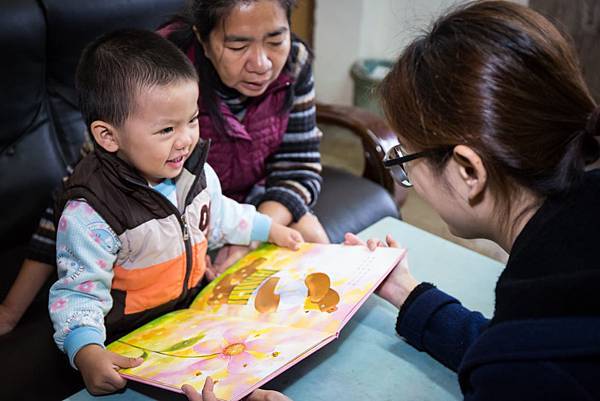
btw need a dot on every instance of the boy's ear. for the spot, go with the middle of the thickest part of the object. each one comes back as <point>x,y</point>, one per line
<point>105,135</point>
<point>471,171</point>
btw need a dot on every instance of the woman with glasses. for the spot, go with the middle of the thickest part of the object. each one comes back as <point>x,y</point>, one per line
<point>496,127</point>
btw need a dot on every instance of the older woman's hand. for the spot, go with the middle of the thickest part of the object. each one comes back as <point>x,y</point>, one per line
<point>399,284</point>
<point>209,395</point>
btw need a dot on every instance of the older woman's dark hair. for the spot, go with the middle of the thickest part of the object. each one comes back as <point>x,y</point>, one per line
<point>205,15</point>
<point>500,78</point>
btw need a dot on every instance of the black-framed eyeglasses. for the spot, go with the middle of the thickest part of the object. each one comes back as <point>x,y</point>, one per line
<point>394,160</point>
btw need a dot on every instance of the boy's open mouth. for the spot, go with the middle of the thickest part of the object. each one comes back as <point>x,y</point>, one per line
<point>175,160</point>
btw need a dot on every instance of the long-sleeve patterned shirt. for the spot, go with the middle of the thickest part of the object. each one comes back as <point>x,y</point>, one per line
<point>87,249</point>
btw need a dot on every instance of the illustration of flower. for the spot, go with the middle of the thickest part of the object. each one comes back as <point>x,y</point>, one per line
<point>238,348</point>
<point>236,352</point>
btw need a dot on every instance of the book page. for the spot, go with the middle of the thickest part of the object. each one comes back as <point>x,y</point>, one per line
<point>318,287</point>
<point>265,313</point>
<point>185,347</point>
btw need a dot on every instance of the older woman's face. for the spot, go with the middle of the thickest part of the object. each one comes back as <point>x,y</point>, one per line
<point>251,46</point>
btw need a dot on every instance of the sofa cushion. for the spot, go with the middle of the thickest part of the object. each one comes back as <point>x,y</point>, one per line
<point>349,203</point>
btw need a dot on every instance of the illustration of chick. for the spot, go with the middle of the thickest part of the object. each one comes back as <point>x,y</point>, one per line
<point>315,291</point>
<point>320,294</point>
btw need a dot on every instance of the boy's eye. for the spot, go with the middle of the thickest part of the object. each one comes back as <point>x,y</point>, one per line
<point>166,131</point>
<point>194,119</point>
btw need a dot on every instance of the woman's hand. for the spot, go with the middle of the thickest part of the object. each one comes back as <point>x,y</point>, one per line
<point>209,395</point>
<point>8,319</point>
<point>400,283</point>
<point>207,392</point>
<point>311,229</point>
<point>309,225</point>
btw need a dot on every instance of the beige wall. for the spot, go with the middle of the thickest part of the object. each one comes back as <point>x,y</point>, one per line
<point>346,30</point>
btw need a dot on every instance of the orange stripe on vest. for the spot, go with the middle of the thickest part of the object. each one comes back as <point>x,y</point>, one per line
<point>155,285</point>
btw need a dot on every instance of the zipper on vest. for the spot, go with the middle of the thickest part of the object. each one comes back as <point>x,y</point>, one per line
<point>184,231</point>
<point>188,254</point>
<point>184,228</point>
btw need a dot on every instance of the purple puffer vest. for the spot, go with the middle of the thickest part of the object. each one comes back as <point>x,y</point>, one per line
<point>239,157</point>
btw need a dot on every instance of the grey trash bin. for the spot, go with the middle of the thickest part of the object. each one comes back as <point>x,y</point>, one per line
<point>367,74</point>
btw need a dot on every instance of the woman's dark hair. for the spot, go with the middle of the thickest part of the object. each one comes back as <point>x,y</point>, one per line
<point>500,78</point>
<point>205,15</point>
<point>113,68</point>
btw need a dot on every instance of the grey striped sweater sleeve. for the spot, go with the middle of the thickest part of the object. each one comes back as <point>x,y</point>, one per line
<point>42,246</point>
<point>294,171</point>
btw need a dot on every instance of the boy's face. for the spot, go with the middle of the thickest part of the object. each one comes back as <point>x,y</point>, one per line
<point>161,131</point>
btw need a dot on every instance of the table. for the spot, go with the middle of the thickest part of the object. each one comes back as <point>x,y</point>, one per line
<point>369,361</point>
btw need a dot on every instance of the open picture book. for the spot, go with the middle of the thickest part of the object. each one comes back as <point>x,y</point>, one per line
<point>268,311</point>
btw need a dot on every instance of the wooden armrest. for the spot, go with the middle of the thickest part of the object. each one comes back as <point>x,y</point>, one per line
<point>375,134</point>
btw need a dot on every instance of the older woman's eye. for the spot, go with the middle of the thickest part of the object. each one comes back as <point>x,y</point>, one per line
<point>237,49</point>
<point>276,43</point>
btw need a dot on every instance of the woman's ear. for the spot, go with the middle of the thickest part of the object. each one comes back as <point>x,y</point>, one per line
<point>471,171</point>
<point>105,135</point>
<point>202,43</point>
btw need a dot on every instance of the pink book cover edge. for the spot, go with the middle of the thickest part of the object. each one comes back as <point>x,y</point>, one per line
<point>299,358</point>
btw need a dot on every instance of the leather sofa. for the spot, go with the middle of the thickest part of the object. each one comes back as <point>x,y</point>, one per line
<point>41,129</point>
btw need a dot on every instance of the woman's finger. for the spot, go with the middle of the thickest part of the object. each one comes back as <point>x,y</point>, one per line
<point>207,390</point>
<point>191,393</point>
<point>351,239</point>
<point>391,241</point>
<point>373,243</point>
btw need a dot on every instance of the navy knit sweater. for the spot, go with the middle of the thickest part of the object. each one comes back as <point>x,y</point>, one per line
<point>543,342</point>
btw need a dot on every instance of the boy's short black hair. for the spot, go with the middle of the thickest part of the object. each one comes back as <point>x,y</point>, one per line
<point>113,68</point>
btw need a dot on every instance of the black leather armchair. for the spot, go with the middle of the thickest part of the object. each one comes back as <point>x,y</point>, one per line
<point>41,129</point>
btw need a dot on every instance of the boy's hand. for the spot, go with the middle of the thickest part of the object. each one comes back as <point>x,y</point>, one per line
<point>284,236</point>
<point>99,366</point>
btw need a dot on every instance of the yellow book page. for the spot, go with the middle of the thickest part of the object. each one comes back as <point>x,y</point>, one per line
<point>317,287</point>
<point>186,346</point>
<point>265,313</point>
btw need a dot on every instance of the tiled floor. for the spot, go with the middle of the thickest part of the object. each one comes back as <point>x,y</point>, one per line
<point>341,149</point>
